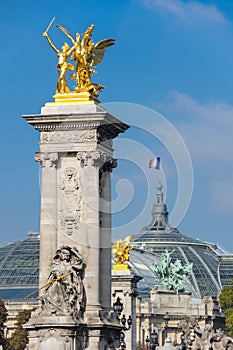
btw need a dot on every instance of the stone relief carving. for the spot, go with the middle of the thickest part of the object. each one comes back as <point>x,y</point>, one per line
<point>47,160</point>
<point>64,294</point>
<point>55,339</point>
<point>70,203</point>
<point>69,136</point>
<point>208,338</point>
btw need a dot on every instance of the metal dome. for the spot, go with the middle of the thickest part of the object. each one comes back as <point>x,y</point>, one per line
<point>19,268</point>
<point>211,270</point>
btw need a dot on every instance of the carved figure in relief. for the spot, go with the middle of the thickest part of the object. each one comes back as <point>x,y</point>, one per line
<point>70,201</point>
<point>65,292</point>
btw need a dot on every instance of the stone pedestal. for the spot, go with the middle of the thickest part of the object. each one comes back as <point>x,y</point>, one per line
<point>173,305</point>
<point>62,333</point>
<point>124,286</point>
<point>168,301</point>
<point>76,158</point>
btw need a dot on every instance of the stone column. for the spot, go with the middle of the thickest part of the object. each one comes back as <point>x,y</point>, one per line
<point>48,213</point>
<point>105,231</point>
<point>76,157</point>
<point>124,286</point>
<point>90,238</point>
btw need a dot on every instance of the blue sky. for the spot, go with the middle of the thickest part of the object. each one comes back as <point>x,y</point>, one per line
<point>174,57</point>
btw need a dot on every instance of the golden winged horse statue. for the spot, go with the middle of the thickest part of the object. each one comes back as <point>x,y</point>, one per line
<point>86,55</point>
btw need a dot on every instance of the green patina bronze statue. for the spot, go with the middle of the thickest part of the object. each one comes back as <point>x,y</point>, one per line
<point>171,275</point>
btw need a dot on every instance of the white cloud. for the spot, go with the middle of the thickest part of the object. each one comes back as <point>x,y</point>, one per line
<point>187,11</point>
<point>207,129</point>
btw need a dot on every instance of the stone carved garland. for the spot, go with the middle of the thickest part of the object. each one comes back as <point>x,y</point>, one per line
<point>69,136</point>
<point>70,203</point>
<point>64,293</point>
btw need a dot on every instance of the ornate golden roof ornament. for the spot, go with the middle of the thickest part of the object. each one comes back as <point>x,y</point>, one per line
<point>86,55</point>
<point>121,248</point>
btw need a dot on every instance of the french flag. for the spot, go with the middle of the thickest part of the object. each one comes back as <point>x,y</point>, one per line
<point>155,163</point>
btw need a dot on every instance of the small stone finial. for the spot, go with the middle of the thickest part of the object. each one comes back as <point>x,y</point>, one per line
<point>159,186</point>
<point>159,211</point>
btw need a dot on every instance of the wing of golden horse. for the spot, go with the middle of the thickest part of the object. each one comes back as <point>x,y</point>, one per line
<point>99,48</point>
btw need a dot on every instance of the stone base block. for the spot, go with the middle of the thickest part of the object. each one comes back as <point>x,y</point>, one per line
<point>64,334</point>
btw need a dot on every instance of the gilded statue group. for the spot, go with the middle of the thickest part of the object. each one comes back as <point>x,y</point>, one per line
<point>85,53</point>
<point>195,338</point>
<point>171,275</point>
<point>121,249</point>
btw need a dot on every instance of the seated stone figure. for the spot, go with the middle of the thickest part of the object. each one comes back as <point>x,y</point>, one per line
<point>64,293</point>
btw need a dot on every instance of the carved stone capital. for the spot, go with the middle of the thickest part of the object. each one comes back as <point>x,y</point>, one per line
<point>83,157</point>
<point>98,159</point>
<point>109,165</point>
<point>47,160</point>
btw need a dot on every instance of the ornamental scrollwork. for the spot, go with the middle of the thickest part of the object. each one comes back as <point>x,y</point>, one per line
<point>47,159</point>
<point>97,159</point>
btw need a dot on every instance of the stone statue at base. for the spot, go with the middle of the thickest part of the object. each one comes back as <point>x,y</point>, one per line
<point>196,338</point>
<point>65,293</point>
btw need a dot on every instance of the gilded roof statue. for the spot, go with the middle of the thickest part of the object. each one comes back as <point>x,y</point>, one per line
<point>121,249</point>
<point>81,57</point>
<point>171,275</point>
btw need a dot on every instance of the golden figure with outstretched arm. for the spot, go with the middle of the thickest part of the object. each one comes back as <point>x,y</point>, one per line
<point>63,66</point>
